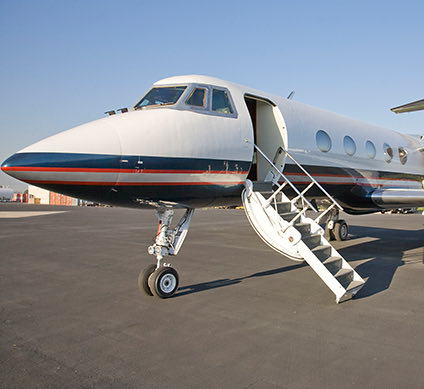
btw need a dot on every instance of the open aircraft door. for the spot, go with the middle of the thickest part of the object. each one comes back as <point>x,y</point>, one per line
<point>270,136</point>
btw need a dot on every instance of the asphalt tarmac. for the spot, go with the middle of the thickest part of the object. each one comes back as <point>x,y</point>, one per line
<point>244,316</point>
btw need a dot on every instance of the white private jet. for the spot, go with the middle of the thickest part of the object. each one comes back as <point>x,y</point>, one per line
<point>197,141</point>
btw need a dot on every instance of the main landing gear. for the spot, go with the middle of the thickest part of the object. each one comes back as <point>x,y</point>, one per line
<point>336,229</point>
<point>161,279</point>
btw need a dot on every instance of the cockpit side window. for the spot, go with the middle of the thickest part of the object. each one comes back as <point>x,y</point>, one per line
<point>197,98</point>
<point>221,102</point>
<point>161,96</point>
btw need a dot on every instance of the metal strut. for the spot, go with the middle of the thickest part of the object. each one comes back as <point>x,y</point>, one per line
<point>333,216</point>
<point>169,241</point>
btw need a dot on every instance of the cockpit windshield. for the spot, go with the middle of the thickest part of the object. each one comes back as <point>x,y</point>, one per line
<point>161,96</point>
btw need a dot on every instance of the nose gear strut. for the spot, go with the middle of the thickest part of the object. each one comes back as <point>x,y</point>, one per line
<point>161,279</point>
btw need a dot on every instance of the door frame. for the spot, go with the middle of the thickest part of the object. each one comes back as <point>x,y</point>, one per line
<point>277,135</point>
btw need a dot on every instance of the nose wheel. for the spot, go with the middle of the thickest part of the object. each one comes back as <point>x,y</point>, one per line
<point>162,282</point>
<point>143,279</point>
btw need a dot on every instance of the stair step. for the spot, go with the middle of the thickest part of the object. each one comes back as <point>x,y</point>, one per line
<point>353,285</point>
<point>312,247</point>
<point>333,264</point>
<point>288,216</point>
<point>312,240</point>
<point>345,277</point>
<point>283,207</point>
<point>303,228</point>
<point>262,186</point>
<point>322,252</point>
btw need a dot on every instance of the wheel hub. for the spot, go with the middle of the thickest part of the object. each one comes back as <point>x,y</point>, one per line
<point>168,283</point>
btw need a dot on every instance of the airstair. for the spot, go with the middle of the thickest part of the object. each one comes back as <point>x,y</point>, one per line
<point>283,224</point>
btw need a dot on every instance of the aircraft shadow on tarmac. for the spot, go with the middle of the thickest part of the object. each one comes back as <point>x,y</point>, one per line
<point>227,281</point>
<point>384,255</point>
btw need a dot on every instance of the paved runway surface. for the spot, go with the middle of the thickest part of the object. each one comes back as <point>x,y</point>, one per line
<point>244,316</point>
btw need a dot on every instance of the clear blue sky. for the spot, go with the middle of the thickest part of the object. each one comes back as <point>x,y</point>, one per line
<point>66,62</point>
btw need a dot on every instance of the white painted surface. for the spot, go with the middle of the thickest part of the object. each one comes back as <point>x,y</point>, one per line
<point>270,136</point>
<point>23,214</point>
<point>35,192</point>
<point>177,131</point>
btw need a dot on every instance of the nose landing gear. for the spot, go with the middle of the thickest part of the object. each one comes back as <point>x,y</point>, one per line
<point>161,280</point>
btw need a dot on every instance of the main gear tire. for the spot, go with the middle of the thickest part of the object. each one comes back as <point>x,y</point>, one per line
<point>341,230</point>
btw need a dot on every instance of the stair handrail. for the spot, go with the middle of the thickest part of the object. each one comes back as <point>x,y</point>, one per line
<point>313,180</point>
<point>285,178</point>
<point>300,194</point>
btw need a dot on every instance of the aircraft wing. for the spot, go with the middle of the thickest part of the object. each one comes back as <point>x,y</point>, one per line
<point>411,107</point>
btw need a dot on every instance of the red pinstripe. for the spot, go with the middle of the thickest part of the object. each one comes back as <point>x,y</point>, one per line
<point>99,183</point>
<point>97,170</point>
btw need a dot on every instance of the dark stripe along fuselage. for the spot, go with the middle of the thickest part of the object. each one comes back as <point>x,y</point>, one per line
<point>199,182</point>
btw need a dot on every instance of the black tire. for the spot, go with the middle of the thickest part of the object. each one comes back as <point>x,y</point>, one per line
<point>143,279</point>
<point>341,230</point>
<point>163,282</point>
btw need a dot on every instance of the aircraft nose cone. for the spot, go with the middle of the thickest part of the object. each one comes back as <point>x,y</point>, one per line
<point>11,165</point>
<point>49,168</point>
<point>4,165</point>
<point>27,166</point>
<point>87,153</point>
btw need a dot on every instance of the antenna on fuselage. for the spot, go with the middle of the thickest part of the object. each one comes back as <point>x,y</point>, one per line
<point>291,95</point>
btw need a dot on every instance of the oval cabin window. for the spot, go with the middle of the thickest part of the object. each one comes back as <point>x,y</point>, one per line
<point>370,149</point>
<point>323,141</point>
<point>403,155</point>
<point>388,153</point>
<point>349,145</point>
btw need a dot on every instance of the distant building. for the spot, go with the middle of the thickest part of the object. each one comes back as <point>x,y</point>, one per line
<point>20,197</point>
<point>6,194</point>
<point>42,196</point>
<point>38,196</point>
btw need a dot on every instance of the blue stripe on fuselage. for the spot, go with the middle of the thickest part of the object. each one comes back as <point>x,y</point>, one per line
<point>105,161</point>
